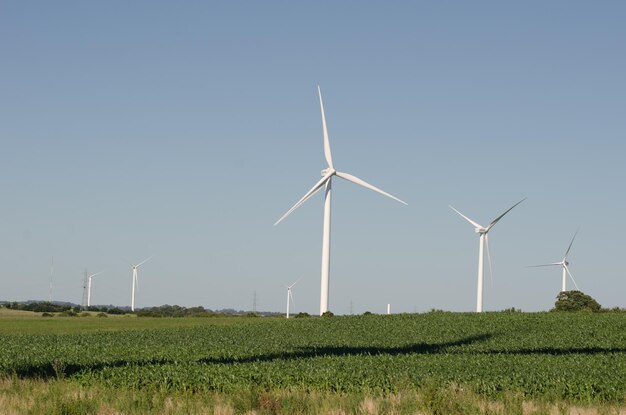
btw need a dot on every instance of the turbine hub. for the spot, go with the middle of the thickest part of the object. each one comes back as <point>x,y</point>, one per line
<point>328,170</point>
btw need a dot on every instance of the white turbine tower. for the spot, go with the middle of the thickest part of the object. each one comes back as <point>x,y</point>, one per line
<point>484,238</point>
<point>564,264</point>
<point>290,296</point>
<point>135,281</point>
<point>89,277</point>
<point>326,181</point>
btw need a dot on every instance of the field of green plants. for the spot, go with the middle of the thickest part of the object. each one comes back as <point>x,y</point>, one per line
<point>571,357</point>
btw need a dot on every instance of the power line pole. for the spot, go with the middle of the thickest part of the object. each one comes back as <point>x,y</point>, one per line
<point>51,275</point>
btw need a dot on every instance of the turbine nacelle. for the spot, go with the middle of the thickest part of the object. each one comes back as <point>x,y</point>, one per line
<point>480,231</point>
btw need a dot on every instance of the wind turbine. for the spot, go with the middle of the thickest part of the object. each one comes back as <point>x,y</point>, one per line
<point>290,296</point>
<point>326,181</point>
<point>484,238</point>
<point>89,277</point>
<point>135,281</point>
<point>564,264</point>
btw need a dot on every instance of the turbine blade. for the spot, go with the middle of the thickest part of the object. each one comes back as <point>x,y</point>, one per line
<point>545,265</point>
<point>307,196</point>
<point>291,286</point>
<point>570,245</point>
<point>327,154</point>
<point>97,273</point>
<point>489,259</point>
<point>466,218</point>
<point>570,275</point>
<point>144,261</point>
<point>363,183</point>
<point>492,224</point>
<point>291,297</point>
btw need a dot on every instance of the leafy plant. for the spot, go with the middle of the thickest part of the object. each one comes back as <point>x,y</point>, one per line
<point>575,301</point>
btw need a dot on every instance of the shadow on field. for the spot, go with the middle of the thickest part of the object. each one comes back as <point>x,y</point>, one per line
<point>59,368</point>
<point>308,352</point>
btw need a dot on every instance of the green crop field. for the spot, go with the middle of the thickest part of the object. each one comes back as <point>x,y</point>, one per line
<point>577,358</point>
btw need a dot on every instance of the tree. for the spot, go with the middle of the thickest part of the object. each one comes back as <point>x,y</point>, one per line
<point>575,301</point>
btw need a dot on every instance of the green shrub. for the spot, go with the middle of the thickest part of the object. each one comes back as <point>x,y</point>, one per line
<point>575,301</point>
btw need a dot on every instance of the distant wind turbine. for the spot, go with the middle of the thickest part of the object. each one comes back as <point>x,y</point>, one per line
<point>290,296</point>
<point>135,281</point>
<point>484,238</point>
<point>326,181</point>
<point>565,265</point>
<point>89,277</point>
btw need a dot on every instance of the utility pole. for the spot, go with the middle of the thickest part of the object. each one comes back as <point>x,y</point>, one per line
<point>51,275</point>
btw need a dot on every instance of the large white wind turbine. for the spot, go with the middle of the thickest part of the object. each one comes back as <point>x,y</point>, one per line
<point>135,281</point>
<point>89,277</point>
<point>484,238</point>
<point>326,181</point>
<point>565,265</point>
<point>290,296</point>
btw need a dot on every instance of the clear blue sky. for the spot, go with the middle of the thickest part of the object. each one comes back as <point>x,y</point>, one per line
<point>186,130</point>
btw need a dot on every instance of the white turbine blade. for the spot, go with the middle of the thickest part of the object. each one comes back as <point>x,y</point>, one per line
<point>327,154</point>
<point>545,265</point>
<point>144,261</point>
<point>363,183</point>
<point>291,297</point>
<point>466,218</point>
<point>489,259</point>
<point>291,286</point>
<point>570,275</point>
<point>97,273</point>
<point>570,245</point>
<point>492,224</point>
<point>306,197</point>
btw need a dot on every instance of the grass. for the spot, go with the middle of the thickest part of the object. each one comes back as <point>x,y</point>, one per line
<point>11,314</point>
<point>28,322</point>
<point>18,396</point>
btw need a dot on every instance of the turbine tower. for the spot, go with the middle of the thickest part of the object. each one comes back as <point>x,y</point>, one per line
<point>135,281</point>
<point>290,296</point>
<point>484,238</point>
<point>326,181</point>
<point>564,264</point>
<point>89,277</point>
